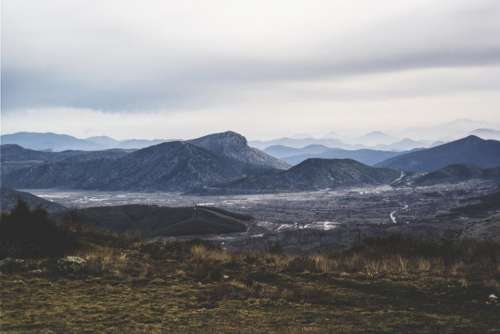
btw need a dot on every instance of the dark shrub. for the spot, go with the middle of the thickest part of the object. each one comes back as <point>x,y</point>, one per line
<point>29,233</point>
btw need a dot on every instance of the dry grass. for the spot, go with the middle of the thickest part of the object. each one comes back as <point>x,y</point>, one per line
<point>194,287</point>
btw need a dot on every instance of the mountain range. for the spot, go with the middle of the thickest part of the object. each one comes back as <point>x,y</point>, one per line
<point>170,166</point>
<point>61,142</point>
<point>224,162</point>
<point>294,156</point>
<point>310,175</point>
<point>470,150</point>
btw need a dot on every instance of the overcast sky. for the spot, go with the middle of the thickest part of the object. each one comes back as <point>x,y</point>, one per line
<point>178,69</point>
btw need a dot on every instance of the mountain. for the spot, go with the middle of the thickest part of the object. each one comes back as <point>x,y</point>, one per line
<point>375,138</point>
<point>470,150</point>
<point>48,141</point>
<point>10,197</point>
<point>365,156</point>
<point>486,133</point>
<point>140,143</point>
<point>457,173</point>
<point>104,141</point>
<point>234,146</point>
<point>405,144</point>
<point>452,130</point>
<point>154,221</point>
<point>300,142</point>
<point>310,175</point>
<point>61,142</point>
<point>282,151</point>
<point>170,166</point>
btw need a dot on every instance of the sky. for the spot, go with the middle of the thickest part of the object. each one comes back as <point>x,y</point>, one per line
<point>179,69</point>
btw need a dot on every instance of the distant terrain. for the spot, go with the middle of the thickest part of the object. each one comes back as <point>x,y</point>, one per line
<point>294,156</point>
<point>61,142</point>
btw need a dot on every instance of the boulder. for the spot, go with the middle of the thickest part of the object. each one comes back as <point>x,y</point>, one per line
<point>71,265</point>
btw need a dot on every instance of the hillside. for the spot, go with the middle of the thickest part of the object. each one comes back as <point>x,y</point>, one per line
<point>457,173</point>
<point>471,150</point>
<point>312,174</point>
<point>10,197</point>
<point>154,221</point>
<point>15,157</point>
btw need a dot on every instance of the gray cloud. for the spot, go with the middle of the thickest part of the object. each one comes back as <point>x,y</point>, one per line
<point>110,61</point>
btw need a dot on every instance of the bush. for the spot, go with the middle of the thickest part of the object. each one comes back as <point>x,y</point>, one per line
<point>29,233</point>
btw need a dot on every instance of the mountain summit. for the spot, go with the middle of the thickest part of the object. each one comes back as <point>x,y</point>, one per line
<point>232,145</point>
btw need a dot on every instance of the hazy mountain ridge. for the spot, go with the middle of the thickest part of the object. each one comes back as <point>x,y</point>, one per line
<point>295,156</point>
<point>62,142</point>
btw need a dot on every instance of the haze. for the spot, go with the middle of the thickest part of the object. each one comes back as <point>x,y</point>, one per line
<point>156,69</point>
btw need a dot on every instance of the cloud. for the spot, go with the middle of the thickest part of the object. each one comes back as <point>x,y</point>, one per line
<point>120,56</point>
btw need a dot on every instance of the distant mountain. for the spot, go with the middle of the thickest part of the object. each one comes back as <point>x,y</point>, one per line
<point>140,143</point>
<point>452,130</point>
<point>61,142</point>
<point>48,141</point>
<point>471,150</point>
<point>282,151</point>
<point>312,174</point>
<point>234,146</point>
<point>10,197</point>
<point>486,133</point>
<point>170,166</point>
<point>300,142</point>
<point>104,141</point>
<point>457,173</point>
<point>405,144</point>
<point>294,156</point>
<point>154,221</point>
<point>375,138</point>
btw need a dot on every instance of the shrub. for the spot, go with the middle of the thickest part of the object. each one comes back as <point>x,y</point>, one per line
<point>29,233</point>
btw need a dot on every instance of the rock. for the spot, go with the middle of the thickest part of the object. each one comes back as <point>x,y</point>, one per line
<point>492,299</point>
<point>9,265</point>
<point>71,265</point>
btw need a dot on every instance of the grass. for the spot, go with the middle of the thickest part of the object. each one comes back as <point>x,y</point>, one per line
<point>194,287</point>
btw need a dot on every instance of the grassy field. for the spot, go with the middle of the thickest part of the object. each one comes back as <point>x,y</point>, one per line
<point>195,288</point>
<point>75,279</point>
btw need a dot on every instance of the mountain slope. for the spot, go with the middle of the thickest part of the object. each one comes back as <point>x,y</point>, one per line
<point>9,198</point>
<point>14,157</point>
<point>455,174</point>
<point>173,166</point>
<point>471,150</point>
<point>233,145</point>
<point>312,174</point>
